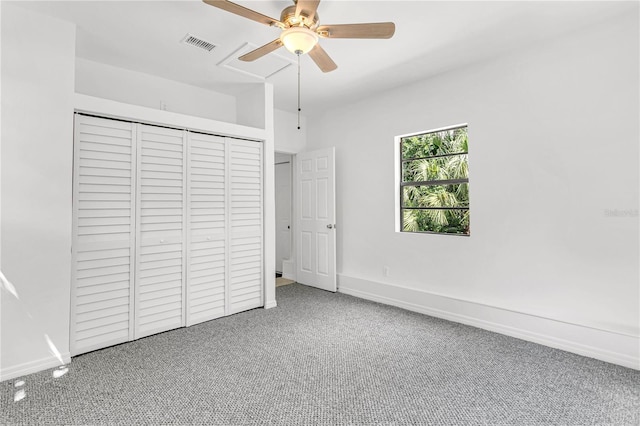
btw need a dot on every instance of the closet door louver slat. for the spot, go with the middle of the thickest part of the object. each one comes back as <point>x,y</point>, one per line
<point>160,242</point>
<point>245,230</point>
<point>103,231</point>
<point>207,228</point>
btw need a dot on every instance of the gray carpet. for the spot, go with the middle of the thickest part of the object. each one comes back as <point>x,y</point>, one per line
<point>323,358</point>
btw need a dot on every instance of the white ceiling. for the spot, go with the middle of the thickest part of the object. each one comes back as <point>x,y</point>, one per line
<point>431,37</point>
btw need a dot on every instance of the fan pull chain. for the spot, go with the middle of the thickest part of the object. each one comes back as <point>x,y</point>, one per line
<point>298,52</point>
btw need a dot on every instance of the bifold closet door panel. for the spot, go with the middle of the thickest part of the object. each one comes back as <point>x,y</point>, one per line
<point>160,272</point>
<point>245,231</point>
<point>207,224</point>
<point>103,233</point>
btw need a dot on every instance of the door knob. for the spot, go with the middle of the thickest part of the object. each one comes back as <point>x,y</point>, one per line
<point>330,226</point>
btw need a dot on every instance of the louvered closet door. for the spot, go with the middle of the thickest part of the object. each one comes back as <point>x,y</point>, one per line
<point>161,213</point>
<point>207,228</point>
<point>246,236</point>
<point>103,232</point>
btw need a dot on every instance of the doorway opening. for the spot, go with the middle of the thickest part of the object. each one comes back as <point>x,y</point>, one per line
<point>284,218</point>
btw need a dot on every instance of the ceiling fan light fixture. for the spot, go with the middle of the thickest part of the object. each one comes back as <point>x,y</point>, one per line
<point>299,40</point>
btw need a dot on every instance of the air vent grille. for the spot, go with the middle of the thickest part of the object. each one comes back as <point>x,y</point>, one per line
<point>198,42</point>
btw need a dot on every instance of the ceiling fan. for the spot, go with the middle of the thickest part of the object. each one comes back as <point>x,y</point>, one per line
<point>301,30</point>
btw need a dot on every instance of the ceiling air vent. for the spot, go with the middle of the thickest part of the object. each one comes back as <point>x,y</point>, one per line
<point>198,42</point>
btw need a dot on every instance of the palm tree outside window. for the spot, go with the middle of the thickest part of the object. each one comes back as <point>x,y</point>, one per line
<point>434,182</point>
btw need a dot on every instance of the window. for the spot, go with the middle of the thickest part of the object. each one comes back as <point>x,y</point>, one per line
<point>433,188</point>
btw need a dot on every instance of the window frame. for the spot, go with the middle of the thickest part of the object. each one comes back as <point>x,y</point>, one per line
<point>400,185</point>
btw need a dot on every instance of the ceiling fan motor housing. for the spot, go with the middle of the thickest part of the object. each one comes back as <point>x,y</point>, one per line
<point>288,17</point>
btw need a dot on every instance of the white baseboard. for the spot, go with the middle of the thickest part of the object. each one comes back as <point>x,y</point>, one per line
<point>270,305</point>
<point>605,345</point>
<point>33,367</point>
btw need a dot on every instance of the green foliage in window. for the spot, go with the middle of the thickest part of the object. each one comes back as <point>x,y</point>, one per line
<point>437,143</point>
<point>438,221</point>
<point>440,168</point>
<point>428,205</point>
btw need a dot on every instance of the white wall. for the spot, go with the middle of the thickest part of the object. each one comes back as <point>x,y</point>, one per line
<point>250,106</point>
<point>136,88</point>
<point>553,150</point>
<point>288,138</point>
<point>37,151</point>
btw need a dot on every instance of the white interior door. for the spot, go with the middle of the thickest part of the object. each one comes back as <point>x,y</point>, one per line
<point>207,224</point>
<point>103,234</point>
<point>316,260</point>
<point>283,212</point>
<point>160,266</point>
<point>245,220</point>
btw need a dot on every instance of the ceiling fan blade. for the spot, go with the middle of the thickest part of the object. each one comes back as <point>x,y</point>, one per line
<point>242,11</point>
<point>322,60</point>
<point>371,30</point>
<point>308,6</point>
<point>261,51</point>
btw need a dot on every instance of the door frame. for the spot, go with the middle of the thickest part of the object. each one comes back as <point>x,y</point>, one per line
<point>289,272</point>
<point>291,163</point>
